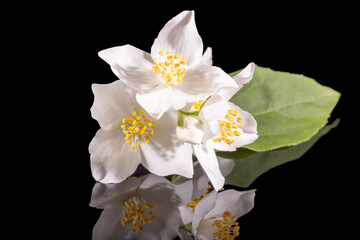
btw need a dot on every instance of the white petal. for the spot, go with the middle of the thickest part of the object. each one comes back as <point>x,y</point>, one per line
<point>165,154</point>
<point>201,81</point>
<point>226,165</point>
<point>166,197</point>
<point>245,75</point>
<point>200,180</point>
<point>192,132</point>
<point>207,158</point>
<point>109,227</point>
<point>111,103</point>
<point>159,100</point>
<point>180,36</point>
<point>207,57</point>
<point>104,194</point>
<point>131,65</point>
<point>248,131</point>
<point>237,202</point>
<point>203,207</point>
<point>112,160</point>
<point>186,214</point>
<point>241,78</point>
<point>210,113</point>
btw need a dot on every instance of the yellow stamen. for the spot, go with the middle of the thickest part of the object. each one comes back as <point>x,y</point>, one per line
<point>228,128</point>
<point>169,69</point>
<point>136,214</point>
<point>223,226</point>
<point>196,106</point>
<point>136,128</point>
<point>193,203</point>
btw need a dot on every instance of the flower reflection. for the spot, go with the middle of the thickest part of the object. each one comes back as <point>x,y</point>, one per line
<point>152,207</point>
<point>216,214</point>
<point>139,208</point>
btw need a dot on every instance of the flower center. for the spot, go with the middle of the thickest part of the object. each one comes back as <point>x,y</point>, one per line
<point>169,68</point>
<point>136,128</point>
<point>137,213</point>
<point>229,126</point>
<point>224,226</point>
<point>193,203</point>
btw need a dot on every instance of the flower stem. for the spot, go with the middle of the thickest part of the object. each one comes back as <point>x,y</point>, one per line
<point>187,227</point>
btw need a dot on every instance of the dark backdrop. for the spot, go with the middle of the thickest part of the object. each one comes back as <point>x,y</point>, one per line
<point>307,197</point>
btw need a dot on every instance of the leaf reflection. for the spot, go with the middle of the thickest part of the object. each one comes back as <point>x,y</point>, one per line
<point>249,165</point>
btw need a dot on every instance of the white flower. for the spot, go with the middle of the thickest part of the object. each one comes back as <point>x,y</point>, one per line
<point>225,127</point>
<point>129,136</point>
<point>216,214</point>
<point>139,208</point>
<point>175,72</point>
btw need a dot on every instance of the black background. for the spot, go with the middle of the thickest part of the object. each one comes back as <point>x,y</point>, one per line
<point>311,196</point>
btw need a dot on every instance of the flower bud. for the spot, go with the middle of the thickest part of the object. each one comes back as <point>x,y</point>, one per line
<point>192,131</point>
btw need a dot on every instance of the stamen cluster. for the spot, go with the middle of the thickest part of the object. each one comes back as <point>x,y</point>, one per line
<point>169,68</point>
<point>136,128</point>
<point>137,213</point>
<point>226,227</point>
<point>229,126</point>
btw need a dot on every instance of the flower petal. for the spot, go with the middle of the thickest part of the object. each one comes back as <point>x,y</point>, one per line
<point>180,36</point>
<point>159,99</point>
<point>210,113</point>
<point>245,75</point>
<point>112,160</point>
<point>241,78</point>
<point>104,194</point>
<point>248,131</point>
<point>165,154</point>
<point>111,102</point>
<point>109,225</point>
<point>207,158</point>
<point>207,57</point>
<point>165,197</point>
<point>201,81</point>
<point>203,207</point>
<point>237,202</point>
<point>226,165</point>
<point>131,65</point>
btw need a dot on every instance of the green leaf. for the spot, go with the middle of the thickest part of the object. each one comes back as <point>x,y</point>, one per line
<point>249,165</point>
<point>289,108</point>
